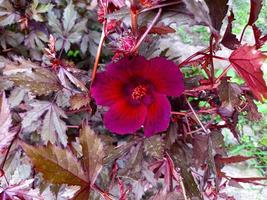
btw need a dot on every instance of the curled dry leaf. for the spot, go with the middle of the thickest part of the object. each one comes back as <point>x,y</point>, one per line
<point>79,100</point>
<point>229,94</point>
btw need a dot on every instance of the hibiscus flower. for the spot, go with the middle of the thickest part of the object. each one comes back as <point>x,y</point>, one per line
<point>136,90</point>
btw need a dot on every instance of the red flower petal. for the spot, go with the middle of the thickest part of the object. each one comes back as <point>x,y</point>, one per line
<point>127,68</point>
<point>158,115</point>
<point>125,118</point>
<point>106,89</point>
<point>165,76</point>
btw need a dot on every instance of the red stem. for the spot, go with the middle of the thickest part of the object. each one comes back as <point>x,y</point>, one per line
<point>223,74</point>
<point>211,60</point>
<point>191,57</point>
<point>160,6</point>
<point>147,31</point>
<point>243,32</point>
<point>134,17</point>
<point>101,42</point>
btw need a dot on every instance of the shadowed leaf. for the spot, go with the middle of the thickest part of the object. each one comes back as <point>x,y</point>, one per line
<point>217,11</point>
<point>255,8</point>
<point>93,153</point>
<point>229,40</point>
<point>229,94</point>
<point>59,166</point>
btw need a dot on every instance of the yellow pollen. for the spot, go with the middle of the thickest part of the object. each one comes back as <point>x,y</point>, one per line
<point>139,92</point>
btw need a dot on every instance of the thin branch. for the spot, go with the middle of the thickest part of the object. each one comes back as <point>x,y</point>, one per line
<point>223,74</point>
<point>195,114</point>
<point>211,59</point>
<point>62,48</point>
<point>243,32</point>
<point>183,187</point>
<point>147,31</point>
<point>101,42</point>
<point>183,63</point>
<point>134,17</point>
<point>160,6</point>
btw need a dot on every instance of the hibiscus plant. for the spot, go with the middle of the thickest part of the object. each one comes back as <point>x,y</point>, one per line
<point>93,106</point>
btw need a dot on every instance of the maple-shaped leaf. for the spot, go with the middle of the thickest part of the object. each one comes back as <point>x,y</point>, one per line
<point>36,39</point>
<point>255,8</point>
<point>9,38</point>
<point>29,75</point>
<point>37,10</point>
<point>6,136</point>
<point>229,94</point>
<point>66,77</point>
<point>70,30</point>
<point>247,61</point>
<point>90,41</point>
<point>8,14</point>
<point>58,166</point>
<point>54,128</point>
<point>259,39</point>
<point>93,153</point>
<point>23,190</point>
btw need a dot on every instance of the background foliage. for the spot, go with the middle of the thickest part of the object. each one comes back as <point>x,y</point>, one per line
<point>53,143</point>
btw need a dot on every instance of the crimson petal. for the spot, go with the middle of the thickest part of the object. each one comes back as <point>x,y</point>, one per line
<point>106,89</point>
<point>158,115</point>
<point>165,76</point>
<point>127,68</point>
<point>125,118</point>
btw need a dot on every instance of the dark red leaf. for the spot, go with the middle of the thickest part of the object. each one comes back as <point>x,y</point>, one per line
<point>200,149</point>
<point>252,109</point>
<point>255,8</point>
<point>232,159</point>
<point>247,61</point>
<point>158,29</point>
<point>259,39</point>
<point>229,39</point>
<point>217,11</point>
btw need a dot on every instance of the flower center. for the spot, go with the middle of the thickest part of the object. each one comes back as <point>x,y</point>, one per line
<point>139,92</point>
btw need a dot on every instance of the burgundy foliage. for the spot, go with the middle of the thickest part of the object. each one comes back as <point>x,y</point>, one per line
<point>92,108</point>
